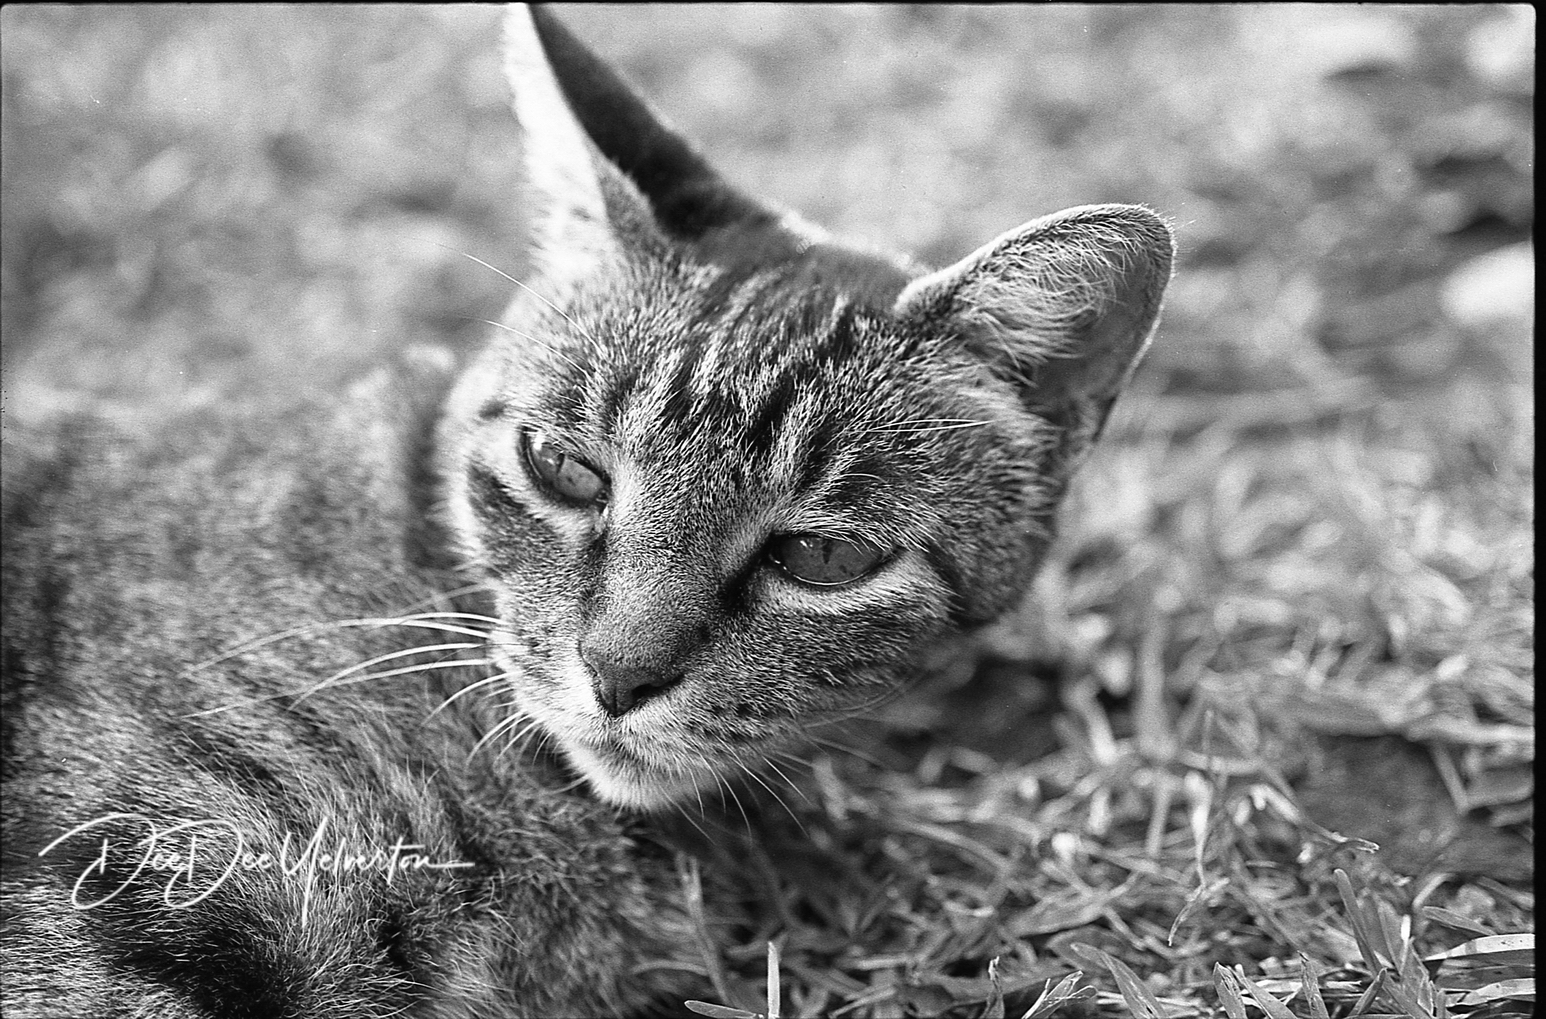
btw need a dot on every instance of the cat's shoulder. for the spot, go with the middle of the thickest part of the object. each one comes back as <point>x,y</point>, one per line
<point>67,455</point>
<point>137,541</point>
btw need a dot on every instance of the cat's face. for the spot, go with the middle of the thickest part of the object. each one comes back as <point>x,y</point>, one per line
<point>729,479</point>
<point>716,513</point>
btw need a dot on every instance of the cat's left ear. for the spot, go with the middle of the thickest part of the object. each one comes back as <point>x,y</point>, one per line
<point>1062,307</point>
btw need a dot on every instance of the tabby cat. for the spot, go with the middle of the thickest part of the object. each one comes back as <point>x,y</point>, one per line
<point>717,480</point>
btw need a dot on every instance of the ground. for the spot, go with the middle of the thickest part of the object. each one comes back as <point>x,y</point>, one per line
<point>1290,616</point>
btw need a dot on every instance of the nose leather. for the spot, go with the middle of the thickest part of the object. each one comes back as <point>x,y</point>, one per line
<point>620,687</point>
<point>637,645</point>
<point>650,614</point>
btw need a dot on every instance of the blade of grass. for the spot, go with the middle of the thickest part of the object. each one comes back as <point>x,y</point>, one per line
<point>994,1009</point>
<point>1311,976</point>
<point>773,986</point>
<point>1355,917</point>
<point>1502,990</point>
<point>714,1011</point>
<point>1386,929</point>
<point>1270,1006</point>
<point>692,890</point>
<point>1405,996</point>
<point>1049,1000</point>
<point>1502,949</point>
<point>1457,921</point>
<point>1228,991</point>
<point>1366,999</point>
<point>1134,992</point>
<point>1412,989</point>
<point>1200,897</point>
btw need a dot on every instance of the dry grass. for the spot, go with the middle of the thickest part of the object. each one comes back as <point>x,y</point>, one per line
<point>1291,614</point>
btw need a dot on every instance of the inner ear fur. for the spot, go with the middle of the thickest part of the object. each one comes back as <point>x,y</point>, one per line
<point>1062,307</point>
<point>687,197</point>
<point>618,182</point>
<point>572,207</point>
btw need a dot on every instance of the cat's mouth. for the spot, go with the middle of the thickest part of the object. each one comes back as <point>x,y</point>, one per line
<point>625,763</point>
<point>621,776</point>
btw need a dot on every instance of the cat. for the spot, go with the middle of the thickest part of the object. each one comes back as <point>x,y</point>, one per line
<point>716,480</point>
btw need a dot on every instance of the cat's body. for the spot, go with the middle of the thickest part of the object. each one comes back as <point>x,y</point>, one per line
<point>316,517</point>
<point>718,480</point>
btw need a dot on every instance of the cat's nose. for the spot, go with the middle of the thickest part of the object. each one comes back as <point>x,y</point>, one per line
<point>620,687</point>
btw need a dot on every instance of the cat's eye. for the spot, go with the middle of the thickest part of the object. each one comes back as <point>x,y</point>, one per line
<point>562,475</point>
<point>822,561</point>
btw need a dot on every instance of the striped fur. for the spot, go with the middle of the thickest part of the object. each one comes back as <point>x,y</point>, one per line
<point>736,377</point>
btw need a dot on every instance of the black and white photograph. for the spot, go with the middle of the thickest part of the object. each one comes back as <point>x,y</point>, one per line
<point>767,510</point>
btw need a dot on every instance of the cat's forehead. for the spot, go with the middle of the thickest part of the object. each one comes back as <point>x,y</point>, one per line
<point>754,389</point>
<point>747,363</point>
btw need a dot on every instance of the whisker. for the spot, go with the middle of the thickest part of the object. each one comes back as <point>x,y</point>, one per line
<point>505,724</point>
<point>487,738</point>
<point>391,656</point>
<point>451,595</point>
<point>921,427</point>
<point>413,617</point>
<point>702,813</point>
<point>532,339</point>
<point>776,797</point>
<point>560,312</point>
<point>533,725</point>
<point>577,782</point>
<point>885,695</point>
<point>422,621</point>
<point>861,709</point>
<point>436,622</point>
<point>719,787</point>
<point>513,743</point>
<point>771,763</point>
<point>845,750</point>
<point>406,670</point>
<point>729,790</point>
<point>339,679</point>
<point>523,726</point>
<point>252,645</point>
<point>504,729</point>
<point>469,688</point>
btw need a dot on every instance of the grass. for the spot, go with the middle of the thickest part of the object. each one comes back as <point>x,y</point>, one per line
<point>1290,616</point>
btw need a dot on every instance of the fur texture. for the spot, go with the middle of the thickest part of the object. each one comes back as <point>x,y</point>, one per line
<point>730,394</point>
<point>192,610</point>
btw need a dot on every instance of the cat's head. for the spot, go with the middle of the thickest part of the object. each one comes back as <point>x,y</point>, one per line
<point>730,478</point>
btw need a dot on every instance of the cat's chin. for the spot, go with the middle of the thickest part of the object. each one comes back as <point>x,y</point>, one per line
<point>633,786</point>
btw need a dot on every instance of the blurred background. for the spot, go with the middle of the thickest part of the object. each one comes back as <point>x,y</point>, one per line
<point>1351,184</point>
<point>1311,523</point>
